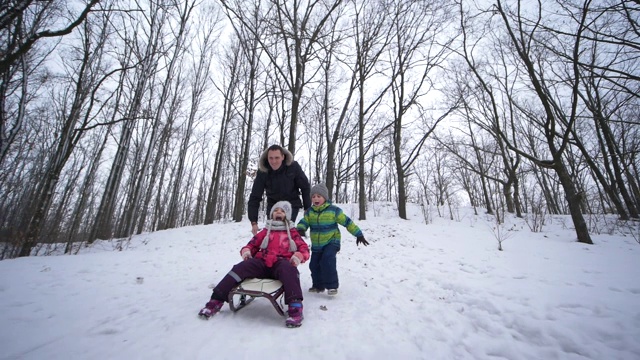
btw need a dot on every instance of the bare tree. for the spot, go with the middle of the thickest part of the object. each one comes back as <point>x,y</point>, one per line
<point>294,31</point>
<point>251,96</point>
<point>146,56</point>
<point>200,79</point>
<point>488,155</point>
<point>415,54</point>
<point>229,90</point>
<point>24,23</point>
<point>81,208</point>
<point>330,46</point>
<point>522,34</point>
<point>610,85</point>
<point>372,37</point>
<point>88,78</point>
<point>165,109</point>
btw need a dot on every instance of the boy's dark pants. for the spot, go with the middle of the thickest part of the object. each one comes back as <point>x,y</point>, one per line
<point>323,266</point>
<point>256,268</point>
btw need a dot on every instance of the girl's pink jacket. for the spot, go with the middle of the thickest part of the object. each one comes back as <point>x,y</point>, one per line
<point>278,246</point>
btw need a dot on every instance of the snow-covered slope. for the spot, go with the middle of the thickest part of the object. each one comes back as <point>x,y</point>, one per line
<point>436,291</point>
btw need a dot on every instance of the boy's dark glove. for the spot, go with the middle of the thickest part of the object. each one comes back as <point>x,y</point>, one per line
<point>361,240</point>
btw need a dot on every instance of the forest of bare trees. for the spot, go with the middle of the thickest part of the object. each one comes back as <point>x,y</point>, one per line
<point>121,117</point>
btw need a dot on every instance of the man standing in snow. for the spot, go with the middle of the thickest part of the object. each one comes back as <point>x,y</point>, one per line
<point>282,179</point>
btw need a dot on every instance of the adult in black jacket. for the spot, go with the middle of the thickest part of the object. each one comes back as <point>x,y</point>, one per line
<point>282,179</point>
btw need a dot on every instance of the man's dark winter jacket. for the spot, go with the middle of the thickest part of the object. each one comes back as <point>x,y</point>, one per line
<point>286,183</point>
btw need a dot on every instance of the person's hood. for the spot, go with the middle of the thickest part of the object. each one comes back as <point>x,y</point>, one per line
<point>263,163</point>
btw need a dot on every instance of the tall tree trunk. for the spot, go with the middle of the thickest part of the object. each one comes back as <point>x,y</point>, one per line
<point>362,196</point>
<point>86,83</point>
<point>197,89</point>
<point>103,224</point>
<point>85,188</point>
<point>250,108</point>
<point>173,77</point>
<point>554,118</point>
<point>229,94</point>
<point>402,195</point>
<point>573,200</point>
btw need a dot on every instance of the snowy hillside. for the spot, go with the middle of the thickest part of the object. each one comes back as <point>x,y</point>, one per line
<point>437,291</point>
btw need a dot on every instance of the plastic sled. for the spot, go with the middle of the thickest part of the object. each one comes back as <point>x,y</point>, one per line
<point>241,295</point>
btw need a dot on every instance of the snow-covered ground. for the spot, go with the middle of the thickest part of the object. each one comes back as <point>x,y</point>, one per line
<point>436,291</point>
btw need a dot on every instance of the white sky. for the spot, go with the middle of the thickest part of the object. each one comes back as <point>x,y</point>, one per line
<point>437,291</point>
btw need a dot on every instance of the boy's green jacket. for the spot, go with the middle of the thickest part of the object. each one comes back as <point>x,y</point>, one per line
<point>323,221</point>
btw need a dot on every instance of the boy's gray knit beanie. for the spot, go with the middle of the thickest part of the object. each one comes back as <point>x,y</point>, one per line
<point>320,189</point>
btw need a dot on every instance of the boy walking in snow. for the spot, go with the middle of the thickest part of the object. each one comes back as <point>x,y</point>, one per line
<point>323,218</point>
<point>273,253</point>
